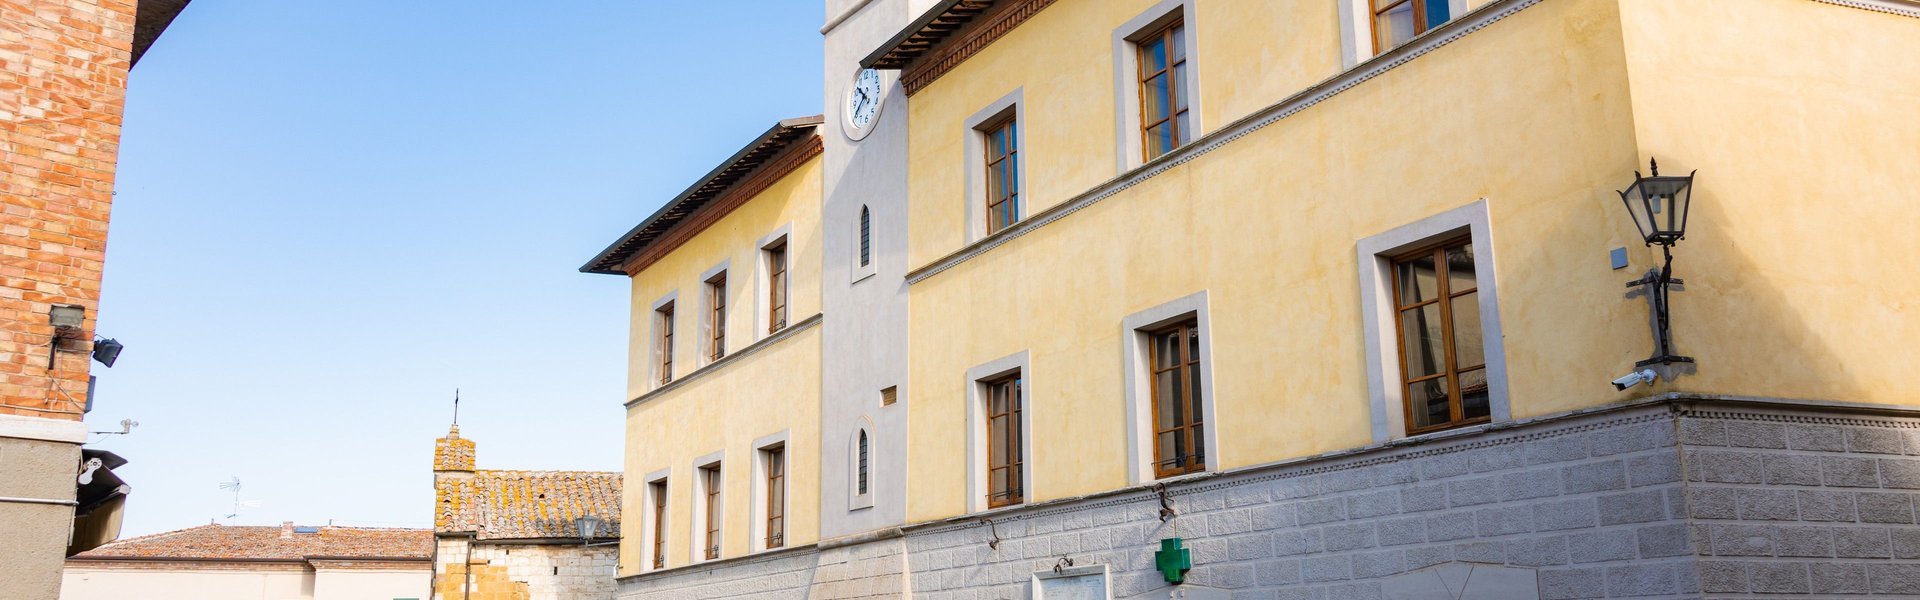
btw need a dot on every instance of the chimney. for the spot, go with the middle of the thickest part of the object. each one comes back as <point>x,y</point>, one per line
<point>286,530</point>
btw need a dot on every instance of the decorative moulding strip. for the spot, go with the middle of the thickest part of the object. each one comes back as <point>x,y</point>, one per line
<point>1905,8</point>
<point>708,566</point>
<point>706,216</point>
<point>1432,40</point>
<point>930,68</point>
<point>764,342</point>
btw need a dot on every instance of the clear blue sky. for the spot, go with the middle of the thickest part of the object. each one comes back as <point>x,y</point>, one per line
<point>331,213</point>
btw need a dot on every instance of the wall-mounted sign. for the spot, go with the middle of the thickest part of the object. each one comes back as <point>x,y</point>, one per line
<point>1072,583</point>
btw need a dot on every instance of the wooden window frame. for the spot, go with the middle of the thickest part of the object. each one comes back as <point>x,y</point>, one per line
<point>1178,99</point>
<point>1195,460</point>
<point>659,490</point>
<point>664,338</point>
<point>1451,371</point>
<point>1375,8</point>
<point>717,317</point>
<point>776,466</point>
<point>777,288</point>
<point>714,483</point>
<point>1008,442</point>
<point>1009,201</point>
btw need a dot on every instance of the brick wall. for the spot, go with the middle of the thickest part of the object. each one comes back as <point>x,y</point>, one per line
<point>1786,503</point>
<point>63,74</point>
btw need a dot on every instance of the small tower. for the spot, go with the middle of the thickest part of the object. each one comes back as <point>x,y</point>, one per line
<point>452,453</point>
<point>452,482</point>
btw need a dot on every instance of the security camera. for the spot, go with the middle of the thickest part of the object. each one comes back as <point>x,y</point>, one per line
<point>1646,376</point>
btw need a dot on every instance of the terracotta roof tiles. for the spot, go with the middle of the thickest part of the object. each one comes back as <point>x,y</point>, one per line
<point>224,542</point>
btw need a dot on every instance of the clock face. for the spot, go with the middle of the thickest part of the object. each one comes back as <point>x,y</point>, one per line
<point>863,101</point>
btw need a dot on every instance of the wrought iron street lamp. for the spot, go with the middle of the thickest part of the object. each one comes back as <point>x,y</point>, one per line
<point>1659,209</point>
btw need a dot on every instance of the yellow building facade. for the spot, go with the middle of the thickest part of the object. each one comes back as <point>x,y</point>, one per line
<point>1359,322</point>
<point>739,248</point>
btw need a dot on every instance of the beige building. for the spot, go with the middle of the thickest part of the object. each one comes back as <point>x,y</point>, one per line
<point>289,562</point>
<point>520,535</point>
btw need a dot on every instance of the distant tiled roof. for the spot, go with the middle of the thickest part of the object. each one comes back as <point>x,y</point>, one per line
<point>222,542</point>
<point>496,504</point>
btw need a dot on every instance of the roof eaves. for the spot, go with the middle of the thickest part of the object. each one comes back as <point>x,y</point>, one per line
<point>608,261</point>
<point>924,33</point>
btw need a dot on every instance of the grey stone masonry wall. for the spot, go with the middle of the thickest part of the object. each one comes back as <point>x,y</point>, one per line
<point>1791,503</point>
<point>1670,498</point>
<point>1593,505</point>
<point>776,575</point>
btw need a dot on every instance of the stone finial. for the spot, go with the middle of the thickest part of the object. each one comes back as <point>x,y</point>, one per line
<point>452,453</point>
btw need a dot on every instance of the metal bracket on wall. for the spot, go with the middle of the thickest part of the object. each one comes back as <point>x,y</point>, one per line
<point>1167,513</point>
<point>994,531</point>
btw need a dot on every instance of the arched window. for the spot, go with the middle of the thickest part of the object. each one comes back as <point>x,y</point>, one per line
<point>866,236</point>
<point>862,480</point>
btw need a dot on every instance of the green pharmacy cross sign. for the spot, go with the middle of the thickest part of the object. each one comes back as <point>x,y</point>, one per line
<point>1173,561</point>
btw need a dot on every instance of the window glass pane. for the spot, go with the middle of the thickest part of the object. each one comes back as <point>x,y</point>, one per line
<point>1473,394</point>
<point>1013,137</point>
<point>1153,99</point>
<point>1153,55</point>
<point>1437,13</point>
<point>1167,448</point>
<point>1429,401</point>
<point>1178,86</point>
<point>1417,283</point>
<point>1159,140</point>
<point>997,441</point>
<point>1179,42</point>
<point>1420,328</point>
<point>1199,443</point>
<point>1181,131</point>
<point>997,481</point>
<point>1172,413</point>
<point>1395,26</point>
<point>1460,268</point>
<point>1467,351</point>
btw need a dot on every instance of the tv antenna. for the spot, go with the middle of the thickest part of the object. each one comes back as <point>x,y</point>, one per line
<point>237,502</point>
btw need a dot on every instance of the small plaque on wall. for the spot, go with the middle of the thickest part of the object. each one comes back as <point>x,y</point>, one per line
<point>1072,583</point>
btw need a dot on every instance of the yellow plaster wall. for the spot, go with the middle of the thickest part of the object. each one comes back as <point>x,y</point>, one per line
<point>1531,113</point>
<point>796,200</point>
<point>1251,53</point>
<point>1804,121</point>
<point>776,389</point>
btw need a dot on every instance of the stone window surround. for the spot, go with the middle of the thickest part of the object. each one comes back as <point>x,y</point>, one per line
<point>862,272</point>
<point>1128,146</point>
<point>855,499</point>
<point>1134,332</point>
<point>653,336</point>
<point>1018,362</point>
<point>756,511</point>
<point>1011,105</point>
<point>646,514</point>
<point>763,279</point>
<point>705,341</point>
<point>1356,29</point>
<point>1386,399</point>
<point>697,545</point>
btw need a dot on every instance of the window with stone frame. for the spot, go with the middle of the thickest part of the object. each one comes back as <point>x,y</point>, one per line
<point>658,490</point>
